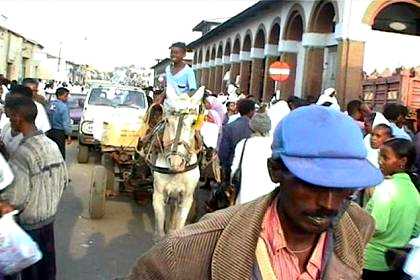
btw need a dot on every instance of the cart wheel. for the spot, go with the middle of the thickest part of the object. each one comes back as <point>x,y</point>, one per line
<point>108,163</point>
<point>83,154</point>
<point>97,193</point>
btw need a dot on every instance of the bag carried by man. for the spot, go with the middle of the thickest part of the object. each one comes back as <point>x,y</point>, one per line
<point>237,176</point>
<point>17,249</point>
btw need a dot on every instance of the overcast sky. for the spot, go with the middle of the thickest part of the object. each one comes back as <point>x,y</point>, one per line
<point>111,33</point>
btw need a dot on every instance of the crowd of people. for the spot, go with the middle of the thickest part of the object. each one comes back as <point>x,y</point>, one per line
<point>33,135</point>
<point>307,171</point>
<point>45,88</point>
<point>320,193</point>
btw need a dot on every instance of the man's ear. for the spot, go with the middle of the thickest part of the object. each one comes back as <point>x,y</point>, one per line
<point>275,171</point>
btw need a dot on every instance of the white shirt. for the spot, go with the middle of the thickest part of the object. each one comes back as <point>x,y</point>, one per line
<point>411,266</point>
<point>7,174</point>
<point>233,118</point>
<point>11,143</point>
<point>42,122</point>
<point>41,90</point>
<point>5,92</point>
<point>255,181</point>
<point>210,133</point>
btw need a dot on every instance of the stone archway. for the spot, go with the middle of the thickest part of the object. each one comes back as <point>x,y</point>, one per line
<point>205,73</point>
<point>394,40</point>
<point>246,64</point>
<point>237,45</point>
<point>321,61</point>
<point>272,55</point>
<point>292,52</point>
<point>235,65</point>
<point>379,5</point>
<point>400,17</point>
<point>200,56</point>
<point>226,64</point>
<point>258,64</point>
<point>294,27</point>
<point>194,64</point>
<point>212,68</point>
<point>218,70</point>
<point>208,55</point>
<point>323,18</point>
<point>199,66</point>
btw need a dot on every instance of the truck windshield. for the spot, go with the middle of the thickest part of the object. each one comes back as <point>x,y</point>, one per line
<point>117,97</point>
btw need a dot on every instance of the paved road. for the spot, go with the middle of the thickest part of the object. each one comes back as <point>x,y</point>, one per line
<point>98,249</point>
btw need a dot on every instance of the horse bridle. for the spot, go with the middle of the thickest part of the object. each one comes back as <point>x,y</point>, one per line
<point>176,142</point>
<point>173,145</point>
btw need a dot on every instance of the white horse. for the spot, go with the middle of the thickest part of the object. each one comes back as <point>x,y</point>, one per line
<point>176,172</point>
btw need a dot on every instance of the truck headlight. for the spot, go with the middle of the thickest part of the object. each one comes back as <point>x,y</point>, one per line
<point>87,127</point>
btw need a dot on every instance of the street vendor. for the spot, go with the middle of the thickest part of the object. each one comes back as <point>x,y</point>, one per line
<point>307,228</point>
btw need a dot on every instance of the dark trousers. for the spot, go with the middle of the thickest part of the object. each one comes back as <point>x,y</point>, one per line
<point>44,269</point>
<point>383,275</point>
<point>59,137</point>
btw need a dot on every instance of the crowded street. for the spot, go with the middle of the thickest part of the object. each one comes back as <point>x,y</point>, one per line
<point>214,140</point>
<point>84,245</point>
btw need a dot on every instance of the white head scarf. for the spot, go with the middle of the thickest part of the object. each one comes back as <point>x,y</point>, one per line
<point>276,113</point>
<point>329,96</point>
<point>373,154</point>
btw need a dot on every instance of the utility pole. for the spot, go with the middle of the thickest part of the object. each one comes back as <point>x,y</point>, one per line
<point>59,58</point>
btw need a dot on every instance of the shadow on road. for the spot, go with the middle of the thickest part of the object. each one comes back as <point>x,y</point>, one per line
<point>94,256</point>
<point>98,249</point>
<point>106,248</point>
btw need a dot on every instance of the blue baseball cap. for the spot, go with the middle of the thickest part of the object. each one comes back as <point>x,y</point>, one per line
<point>324,147</point>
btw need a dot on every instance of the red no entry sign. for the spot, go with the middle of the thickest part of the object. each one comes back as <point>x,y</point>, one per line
<point>279,71</point>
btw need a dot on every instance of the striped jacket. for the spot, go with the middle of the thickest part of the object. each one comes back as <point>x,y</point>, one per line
<point>40,178</point>
<point>222,246</point>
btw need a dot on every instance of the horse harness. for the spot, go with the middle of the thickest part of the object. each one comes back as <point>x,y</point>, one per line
<point>170,148</point>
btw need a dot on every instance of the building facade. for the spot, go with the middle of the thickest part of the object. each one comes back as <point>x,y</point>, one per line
<point>19,57</point>
<point>323,41</point>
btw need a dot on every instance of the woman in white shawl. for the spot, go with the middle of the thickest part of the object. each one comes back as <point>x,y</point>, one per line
<point>277,112</point>
<point>373,154</point>
<point>255,179</point>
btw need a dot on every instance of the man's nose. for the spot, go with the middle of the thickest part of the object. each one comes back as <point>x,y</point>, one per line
<point>330,200</point>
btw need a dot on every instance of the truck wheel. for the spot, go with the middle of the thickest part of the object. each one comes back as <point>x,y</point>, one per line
<point>83,154</point>
<point>108,163</point>
<point>97,193</point>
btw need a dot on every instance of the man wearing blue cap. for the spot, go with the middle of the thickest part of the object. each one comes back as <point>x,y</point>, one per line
<point>308,228</point>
